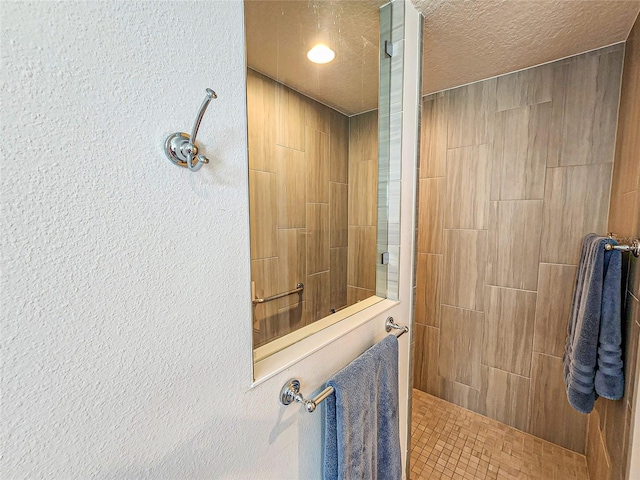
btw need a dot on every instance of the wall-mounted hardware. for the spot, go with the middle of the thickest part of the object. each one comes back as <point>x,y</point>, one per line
<point>390,324</point>
<point>388,48</point>
<point>299,289</point>
<point>624,245</point>
<point>182,149</point>
<point>291,390</point>
<point>291,393</point>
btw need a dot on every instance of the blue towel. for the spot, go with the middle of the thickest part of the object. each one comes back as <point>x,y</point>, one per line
<point>362,438</point>
<point>593,357</point>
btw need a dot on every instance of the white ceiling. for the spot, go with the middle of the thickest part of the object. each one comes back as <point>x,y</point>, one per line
<point>464,41</point>
<point>470,40</point>
<point>280,33</point>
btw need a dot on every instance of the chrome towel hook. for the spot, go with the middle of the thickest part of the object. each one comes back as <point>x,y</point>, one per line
<point>181,148</point>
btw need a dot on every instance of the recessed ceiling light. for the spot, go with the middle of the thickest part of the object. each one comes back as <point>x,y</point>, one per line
<point>320,53</point>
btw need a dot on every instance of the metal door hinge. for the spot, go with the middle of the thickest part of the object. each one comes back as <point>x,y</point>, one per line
<point>388,48</point>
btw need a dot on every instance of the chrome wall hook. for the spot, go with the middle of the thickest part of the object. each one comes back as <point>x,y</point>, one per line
<point>182,149</point>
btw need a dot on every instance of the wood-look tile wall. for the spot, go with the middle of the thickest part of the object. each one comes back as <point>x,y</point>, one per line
<point>313,176</point>
<point>610,426</point>
<point>514,171</point>
<point>298,182</point>
<point>363,194</point>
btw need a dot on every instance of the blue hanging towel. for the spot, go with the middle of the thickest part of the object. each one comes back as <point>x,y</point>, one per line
<point>362,439</point>
<point>593,356</point>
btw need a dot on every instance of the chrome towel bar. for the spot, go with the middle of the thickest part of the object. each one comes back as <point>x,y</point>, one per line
<point>299,289</point>
<point>291,390</point>
<point>624,245</point>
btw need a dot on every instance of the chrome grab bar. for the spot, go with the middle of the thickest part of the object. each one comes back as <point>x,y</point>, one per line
<point>291,390</point>
<point>299,289</point>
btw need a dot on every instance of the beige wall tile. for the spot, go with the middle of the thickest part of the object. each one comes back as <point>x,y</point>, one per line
<point>520,153</point>
<point>278,116</point>
<point>585,107</point>
<point>551,416</point>
<point>468,183</point>
<point>355,294</point>
<point>515,228</point>
<point>265,323</point>
<point>363,137</point>
<point>292,249</point>
<point>601,409</point>
<point>429,275</point>
<point>459,350</point>
<point>317,158</point>
<point>541,216</point>
<point>290,118</point>
<point>616,436</point>
<point>630,347</point>
<point>627,160</point>
<point>553,307</point>
<point>339,171</point>
<point>597,460</point>
<point>527,87</point>
<point>459,394</point>
<point>363,192</point>
<point>433,142</point>
<point>317,115</point>
<point>317,296</point>
<point>339,213</point>
<point>291,318</point>
<point>464,268</point>
<point>508,329</point>
<point>471,114</point>
<point>634,276</point>
<point>575,203</point>
<point>263,214</point>
<point>362,257</point>
<point>317,238</point>
<point>505,397</point>
<point>264,277</point>
<point>261,121</point>
<point>430,214</point>
<point>290,175</point>
<point>425,370</point>
<point>623,214</point>
<point>338,278</point>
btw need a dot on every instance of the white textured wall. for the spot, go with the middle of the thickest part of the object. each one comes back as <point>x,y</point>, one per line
<point>125,280</point>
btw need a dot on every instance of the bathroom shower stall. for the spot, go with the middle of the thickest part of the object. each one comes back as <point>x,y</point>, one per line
<point>514,171</point>
<point>313,160</point>
<point>129,322</point>
<point>313,194</point>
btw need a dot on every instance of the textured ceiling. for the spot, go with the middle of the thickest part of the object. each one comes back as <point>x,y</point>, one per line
<point>464,41</point>
<point>470,40</point>
<point>280,33</point>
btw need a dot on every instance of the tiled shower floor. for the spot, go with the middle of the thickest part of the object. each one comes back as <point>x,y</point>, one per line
<point>449,442</point>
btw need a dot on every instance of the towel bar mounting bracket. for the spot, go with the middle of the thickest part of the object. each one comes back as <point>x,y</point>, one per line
<point>291,393</point>
<point>624,244</point>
